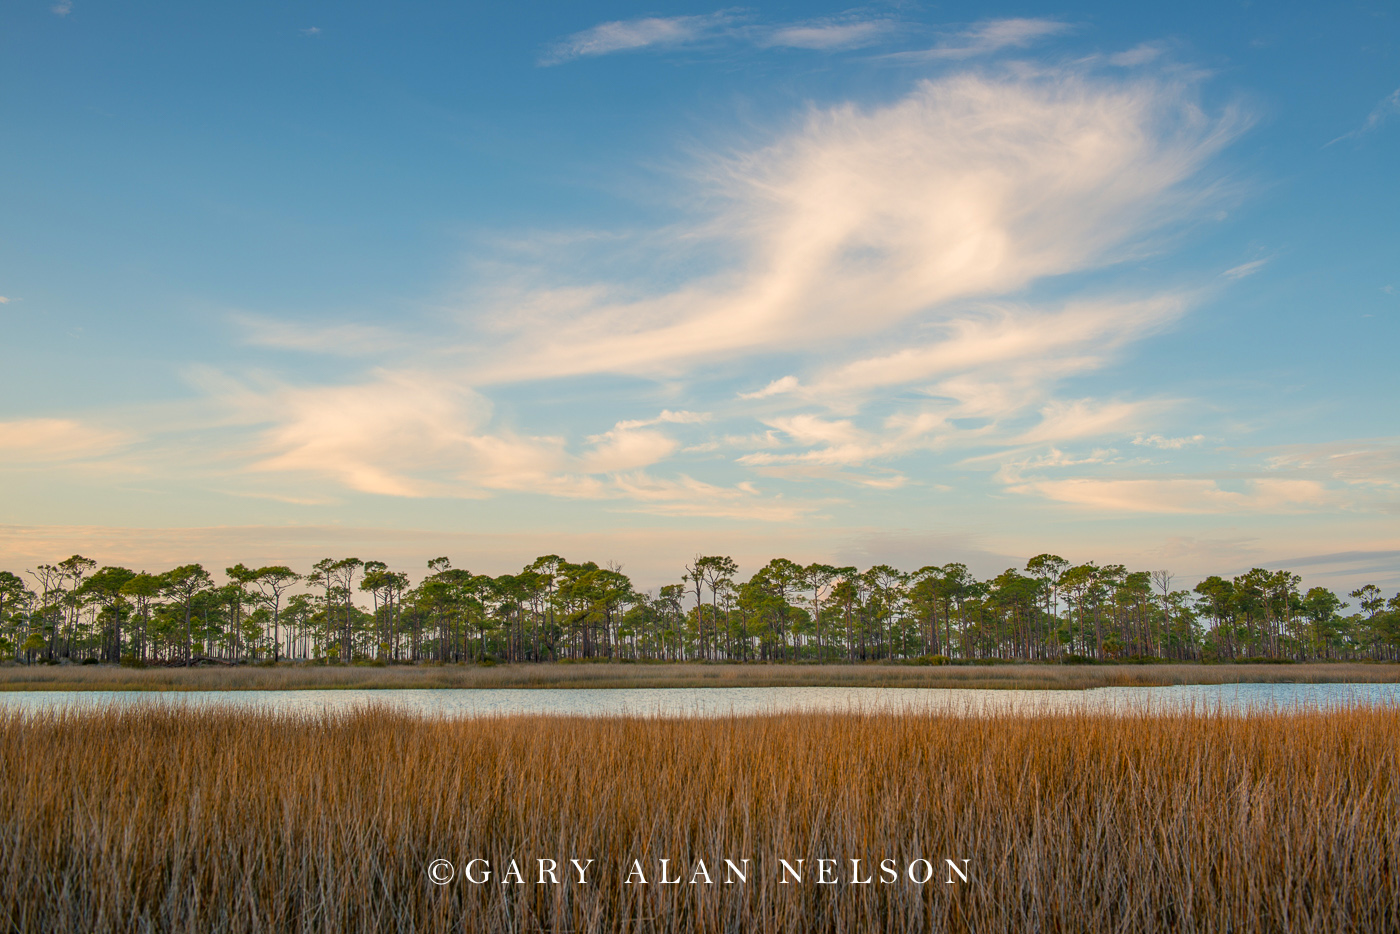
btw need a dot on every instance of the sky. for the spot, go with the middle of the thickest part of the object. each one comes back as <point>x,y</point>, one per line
<point>900,283</point>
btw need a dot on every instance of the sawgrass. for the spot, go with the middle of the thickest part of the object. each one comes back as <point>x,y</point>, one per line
<point>162,819</point>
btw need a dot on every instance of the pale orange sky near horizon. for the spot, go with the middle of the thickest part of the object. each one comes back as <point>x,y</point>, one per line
<point>653,557</point>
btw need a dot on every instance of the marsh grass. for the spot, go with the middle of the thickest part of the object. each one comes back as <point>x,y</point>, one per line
<point>663,675</point>
<point>163,819</point>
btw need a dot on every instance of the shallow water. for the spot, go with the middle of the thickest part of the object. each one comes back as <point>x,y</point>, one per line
<point>709,702</point>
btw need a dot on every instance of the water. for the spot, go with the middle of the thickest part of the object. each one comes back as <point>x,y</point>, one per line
<point>709,702</point>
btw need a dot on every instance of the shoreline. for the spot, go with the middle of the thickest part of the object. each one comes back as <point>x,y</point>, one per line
<point>621,675</point>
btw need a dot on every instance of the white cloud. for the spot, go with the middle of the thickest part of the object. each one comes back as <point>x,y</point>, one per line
<point>311,31</point>
<point>1010,343</point>
<point>413,435</point>
<point>1359,476</point>
<point>1388,106</point>
<point>335,339</point>
<point>864,218</point>
<point>62,7</point>
<point>1167,444</point>
<point>832,443</point>
<point>984,38</point>
<point>1369,463</point>
<point>624,449</point>
<point>396,435</point>
<point>686,496</point>
<point>666,417</point>
<point>986,377</point>
<point>724,25</point>
<point>55,440</point>
<point>990,36</point>
<point>628,35</point>
<point>4,300</point>
<point>1061,421</point>
<point>1245,269</point>
<point>865,253</point>
<point>777,387</point>
<point>1143,54</point>
<point>1201,496</point>
<point>860,229</point>
<point>829,34</point>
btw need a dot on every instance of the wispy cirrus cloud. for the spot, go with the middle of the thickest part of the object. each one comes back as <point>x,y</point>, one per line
<point>868,241</point>
<point>1372,463</point>
<point>731,27</point>
<point>1183,495</point>
<point>666,417</point>
<point>1245,269</point>
<point>56,440</point>
<point>630,35</point>
<point>1143,54</point>
<point>853,31</point>
<point>1357,476</point>
<point>828,34</point>
<point>1383,111</point>
<point>863,218</point>
<point>1167,444</point>
<point>336,339</point>
<point>989,37</point>
<point>1007,343</point>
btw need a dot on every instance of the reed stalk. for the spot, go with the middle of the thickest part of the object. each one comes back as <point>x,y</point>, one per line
<point>209,820</point>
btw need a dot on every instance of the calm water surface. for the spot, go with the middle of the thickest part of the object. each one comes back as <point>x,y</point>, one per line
<point>710,702</point>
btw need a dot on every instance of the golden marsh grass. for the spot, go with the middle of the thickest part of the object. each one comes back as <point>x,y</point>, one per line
<point>163,819</point>
<point>673,675</point>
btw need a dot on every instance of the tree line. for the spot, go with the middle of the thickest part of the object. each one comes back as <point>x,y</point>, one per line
<point>348,610</point>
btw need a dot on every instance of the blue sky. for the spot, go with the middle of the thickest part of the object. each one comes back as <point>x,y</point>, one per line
<point>899,282</point>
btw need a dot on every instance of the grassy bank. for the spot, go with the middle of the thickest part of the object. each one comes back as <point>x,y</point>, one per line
<point>562,675</point>
<point>155,820</point>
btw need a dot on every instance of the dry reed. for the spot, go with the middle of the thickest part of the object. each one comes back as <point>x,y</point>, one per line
<point>666,675</point>
<point>163,819</point>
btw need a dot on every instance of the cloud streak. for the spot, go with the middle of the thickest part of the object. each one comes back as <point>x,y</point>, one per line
<point>829,34</point>
<point>724,26</point>
<point>55,440</point>
<point>871,268</point>
<point>1183,496</point>
<point>635,34</point>
<point>333,340</point>
<point>865,218</point>
<point>989,37</point>
<point>731,27</point>
<point>869,243</point>
<point>1388,107</point>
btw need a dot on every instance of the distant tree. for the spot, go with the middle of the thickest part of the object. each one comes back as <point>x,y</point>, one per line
<point>817,578</point>
<point>240,578</point>
<point>13,594</point>
<point>782,577</point>
<point>184,584</point>
<point>274,581</point>
<point>106,587</point>
<point>73,570</point>
<point>718,573</point>
<point>1046,570</point>
<point>143,589</point>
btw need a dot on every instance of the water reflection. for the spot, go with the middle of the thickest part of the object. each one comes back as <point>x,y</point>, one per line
<point>709,702</point>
